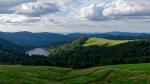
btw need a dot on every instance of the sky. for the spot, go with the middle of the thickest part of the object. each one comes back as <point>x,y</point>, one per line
<point>66,16</point>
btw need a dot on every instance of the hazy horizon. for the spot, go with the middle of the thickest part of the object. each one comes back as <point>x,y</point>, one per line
<point>75,32</point>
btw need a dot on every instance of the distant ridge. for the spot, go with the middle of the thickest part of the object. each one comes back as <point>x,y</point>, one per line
<point>115,33</point>
<point>47,39</point>
<point>31,40</point>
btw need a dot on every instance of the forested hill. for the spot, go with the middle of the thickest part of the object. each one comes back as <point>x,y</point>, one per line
<point>34,40</point>
<point>76,55</point>
<point>11,53</point>
<point>113,35</point>
<point>8,46</point>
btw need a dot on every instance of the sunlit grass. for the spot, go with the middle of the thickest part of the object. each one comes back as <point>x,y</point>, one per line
<point>102,41</point>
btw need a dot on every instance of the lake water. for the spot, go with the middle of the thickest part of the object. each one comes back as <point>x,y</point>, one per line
<point>38,51</point>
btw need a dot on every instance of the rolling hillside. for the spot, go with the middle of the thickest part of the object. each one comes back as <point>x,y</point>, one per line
<point>31,40</point>
<point>102,41</point>
<point>10,53</point>
<point>112,74</point>
<point>8,46</point>
<point>89,52</point>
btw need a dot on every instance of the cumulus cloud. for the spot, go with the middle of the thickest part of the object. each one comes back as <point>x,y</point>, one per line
<point>127,8</point>
<point>116,9</point>
<point>36,8</point>
<point>60,15</point>
<point>92,12</point>
<point>63,2</point>
<point>6,5</point>
<point>14,2</point>
<point>19,11</point>
<point>28,7</point>
<point>16,18</point>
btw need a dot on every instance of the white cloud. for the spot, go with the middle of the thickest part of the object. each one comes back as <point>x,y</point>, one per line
<point>66,1</point>
<point>6,5</point>
<point>16,18</point>
<point>60,15</point>
<point>127,8</point>
<point>117,8</point>
<point>92,12</point>
<point>14,2</point>
<point>36,8</point>
<point>23,11</point>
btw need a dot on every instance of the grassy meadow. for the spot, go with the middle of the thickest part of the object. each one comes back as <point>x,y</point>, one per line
<point>111,74</point>
<point>102,41</point>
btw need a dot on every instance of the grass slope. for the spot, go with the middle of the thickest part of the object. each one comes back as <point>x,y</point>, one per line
<point>112,74</point>
<point>102,41</point>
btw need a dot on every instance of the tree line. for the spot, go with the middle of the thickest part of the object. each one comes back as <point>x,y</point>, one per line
<point>75,55</point>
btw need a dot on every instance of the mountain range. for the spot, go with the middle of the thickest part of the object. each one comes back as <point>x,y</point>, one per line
<point>46,39</point>
<point>33,40</point>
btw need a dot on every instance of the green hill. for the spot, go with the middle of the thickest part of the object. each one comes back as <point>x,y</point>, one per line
<point>34,40</point>
<point>102,41</point>
<point>10,53</point>
<point>112,74</point>
<point>81,53</point>
<point>10,47</point>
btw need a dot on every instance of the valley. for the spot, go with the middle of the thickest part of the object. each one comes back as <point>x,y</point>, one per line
<point>82,60</point>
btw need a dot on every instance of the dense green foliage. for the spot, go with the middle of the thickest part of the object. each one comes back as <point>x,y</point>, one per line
<point>62,55</point>
<point>114,74</point>
<point>81,53</point>
<point>16,58</point>
<point>75,55</point>
<point>10,47</point>
<point>11,53</point>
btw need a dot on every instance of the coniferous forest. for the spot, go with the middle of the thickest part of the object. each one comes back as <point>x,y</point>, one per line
<point>75,55</point>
